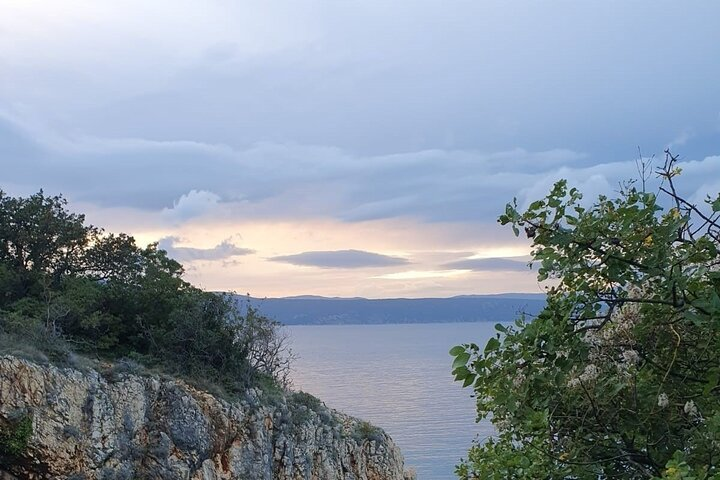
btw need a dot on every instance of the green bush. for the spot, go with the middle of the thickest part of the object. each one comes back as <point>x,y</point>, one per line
<point>618,377</point>
<point>15,436</point>
<point>365,431</point>
<point>309,401</point>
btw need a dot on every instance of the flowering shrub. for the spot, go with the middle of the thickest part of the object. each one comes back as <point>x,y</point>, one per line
<point>618,377</point>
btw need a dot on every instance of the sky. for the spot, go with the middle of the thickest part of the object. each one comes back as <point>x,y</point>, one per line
<point>349,148</point>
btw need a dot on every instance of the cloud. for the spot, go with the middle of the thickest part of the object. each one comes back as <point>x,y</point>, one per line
<point>420,274</point>
<point>287,71</point>
<point>488,265</point>
<point>681,139</point>
<point>222,251</point>
<point>257,118</point>
<point>195,203</point>
<point>341,259</point>
<point>187,180</point>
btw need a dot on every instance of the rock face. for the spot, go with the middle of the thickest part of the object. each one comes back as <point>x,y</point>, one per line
<point>87,427</point>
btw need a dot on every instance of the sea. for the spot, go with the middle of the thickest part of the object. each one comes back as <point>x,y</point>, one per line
<point>397,377</point>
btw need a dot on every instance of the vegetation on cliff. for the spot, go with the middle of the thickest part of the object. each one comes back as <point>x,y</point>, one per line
<point>68,287</point>
<point>618,377</point>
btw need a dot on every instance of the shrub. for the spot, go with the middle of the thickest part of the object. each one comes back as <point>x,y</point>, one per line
<point>618,377</point>
<point>28,338</point>
<point>122,366</point>
<point>365,431</point>
<point>309,401</point>
<point>15,436</point>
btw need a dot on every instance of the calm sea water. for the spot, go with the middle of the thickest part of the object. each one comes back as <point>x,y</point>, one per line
<point>397,377</point>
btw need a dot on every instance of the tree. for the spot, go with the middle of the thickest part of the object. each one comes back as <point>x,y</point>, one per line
<point>618,377</point>
<point>40,242</point>
<point>64,283</point>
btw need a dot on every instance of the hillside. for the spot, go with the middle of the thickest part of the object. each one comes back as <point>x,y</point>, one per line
<point>114,367</point>
<point>310,310</point>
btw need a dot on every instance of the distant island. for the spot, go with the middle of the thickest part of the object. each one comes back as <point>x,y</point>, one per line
<point>315,310</point>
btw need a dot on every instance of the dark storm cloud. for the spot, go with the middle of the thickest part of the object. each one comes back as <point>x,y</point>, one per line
<point>341,259</point>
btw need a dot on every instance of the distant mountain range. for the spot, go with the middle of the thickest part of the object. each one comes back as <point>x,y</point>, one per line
<point>314,310</point>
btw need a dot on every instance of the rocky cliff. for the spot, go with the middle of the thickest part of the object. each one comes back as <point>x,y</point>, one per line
<point>67,424</point>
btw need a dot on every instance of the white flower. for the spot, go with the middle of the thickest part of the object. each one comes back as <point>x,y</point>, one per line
<point>595,355</point>
<point>631,357</point>
<point>690,408</point>
<point>518,380</point>
<point>589,374</point>
<point>573,382</point>
<point>663,400</point>
<point>502,425</point>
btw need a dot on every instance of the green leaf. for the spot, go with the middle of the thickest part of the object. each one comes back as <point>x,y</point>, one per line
<point>457,350</point>
<point>500,328</point>
<point>492,345</point>
<point>468,380</point>
<point>716,204</point>
<point>461,372</point>
<point>696,319</point>
<point>713,379</point>
<point>461,360</point>
<point>615,388</point>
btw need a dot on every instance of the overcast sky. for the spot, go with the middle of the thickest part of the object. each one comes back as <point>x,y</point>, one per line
<point>348,148</point>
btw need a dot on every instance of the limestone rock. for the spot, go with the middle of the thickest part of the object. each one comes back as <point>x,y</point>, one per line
<point>86,427</point>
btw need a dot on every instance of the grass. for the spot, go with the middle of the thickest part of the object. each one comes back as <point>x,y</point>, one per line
<point>15,436</point>
<point>302,398</point>
<point>365,431</point>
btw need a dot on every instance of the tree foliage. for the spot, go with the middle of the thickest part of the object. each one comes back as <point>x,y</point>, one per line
<point>618,377</point>
<point>65,282</point>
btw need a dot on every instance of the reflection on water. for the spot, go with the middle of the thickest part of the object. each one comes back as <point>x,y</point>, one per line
<point>396,377</point>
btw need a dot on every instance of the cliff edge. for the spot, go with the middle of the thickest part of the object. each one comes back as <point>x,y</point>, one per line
<point>63,423</point>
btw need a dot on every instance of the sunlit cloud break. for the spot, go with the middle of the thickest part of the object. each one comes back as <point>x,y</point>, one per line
<point>490,264</point>
<point>419,274</point>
